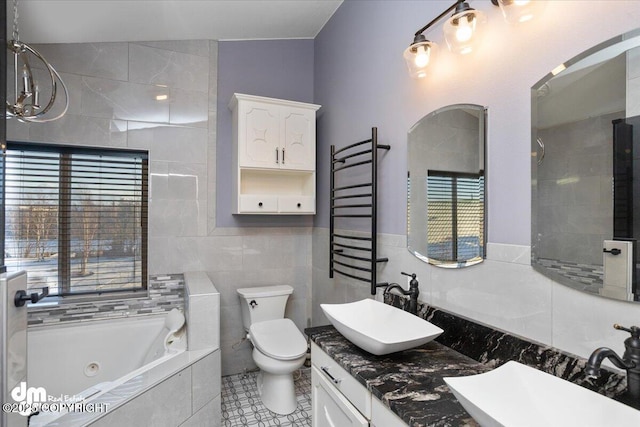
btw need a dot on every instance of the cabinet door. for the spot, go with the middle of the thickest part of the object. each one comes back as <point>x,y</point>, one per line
<point>298,144</point>
<point>382,416</point>
<point>259,135</point>
<point>330,407</point>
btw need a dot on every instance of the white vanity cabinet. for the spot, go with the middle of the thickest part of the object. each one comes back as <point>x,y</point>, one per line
<point>274,155</point>
<point>339,400</point>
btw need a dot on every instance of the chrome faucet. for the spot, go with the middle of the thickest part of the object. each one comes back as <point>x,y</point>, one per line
<point>412,292</point>
<point>630,362</point>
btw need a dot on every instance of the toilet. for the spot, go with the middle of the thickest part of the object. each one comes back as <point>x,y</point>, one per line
<point>279,348</point>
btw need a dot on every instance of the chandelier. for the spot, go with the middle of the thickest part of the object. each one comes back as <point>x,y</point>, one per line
<point>27,106</point>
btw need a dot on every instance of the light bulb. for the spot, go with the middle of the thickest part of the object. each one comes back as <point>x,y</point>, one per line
<point>26,84</point>
<point>422,56</point>
<point>419,55</point>
<point>519,11</point>
<point>464,32</point>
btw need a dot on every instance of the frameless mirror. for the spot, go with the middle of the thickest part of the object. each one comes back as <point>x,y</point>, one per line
<point>446,186</point>
<point>585,170</point>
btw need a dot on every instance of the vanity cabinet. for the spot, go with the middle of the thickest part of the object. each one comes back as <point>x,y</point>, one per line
<point>339,400</point>
<point>274,155</point>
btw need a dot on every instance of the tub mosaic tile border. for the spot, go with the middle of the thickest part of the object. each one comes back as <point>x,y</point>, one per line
<point>495,347</point>
<point>166,292</point>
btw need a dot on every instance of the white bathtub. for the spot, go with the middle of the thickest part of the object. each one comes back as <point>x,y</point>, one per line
<point>87,360</point>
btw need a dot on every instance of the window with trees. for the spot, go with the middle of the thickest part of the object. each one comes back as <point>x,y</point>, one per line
<point>76,218</point>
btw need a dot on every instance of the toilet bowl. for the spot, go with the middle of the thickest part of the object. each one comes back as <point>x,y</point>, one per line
<point>279,348</point>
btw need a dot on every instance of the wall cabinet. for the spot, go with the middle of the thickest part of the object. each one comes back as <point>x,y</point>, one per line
<point>339,400</point>
<point>274,155</point>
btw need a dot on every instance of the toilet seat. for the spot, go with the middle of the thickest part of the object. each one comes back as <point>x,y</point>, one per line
<point>279,339</point>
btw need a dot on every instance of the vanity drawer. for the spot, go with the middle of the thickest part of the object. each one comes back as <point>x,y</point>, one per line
<point>342,380</point>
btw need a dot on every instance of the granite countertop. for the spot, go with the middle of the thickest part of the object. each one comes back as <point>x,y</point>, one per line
<point>410,382</point>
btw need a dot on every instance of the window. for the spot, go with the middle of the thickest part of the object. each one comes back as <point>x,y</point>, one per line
<point>455,208</point>
<point>76,218</point>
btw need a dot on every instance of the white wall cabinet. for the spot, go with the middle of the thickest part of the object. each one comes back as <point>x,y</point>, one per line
<point>339,400</point>
<point>274,155</point>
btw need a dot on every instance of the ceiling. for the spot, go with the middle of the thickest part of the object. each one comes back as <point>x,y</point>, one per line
<point>82,21</point>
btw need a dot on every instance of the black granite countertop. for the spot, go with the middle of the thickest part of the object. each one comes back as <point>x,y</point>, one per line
<point>410,382</point>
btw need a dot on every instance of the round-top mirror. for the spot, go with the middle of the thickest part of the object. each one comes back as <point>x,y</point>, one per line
<point>446,186</point>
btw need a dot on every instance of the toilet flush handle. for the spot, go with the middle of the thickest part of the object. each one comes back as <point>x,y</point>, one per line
<point>253,303</point>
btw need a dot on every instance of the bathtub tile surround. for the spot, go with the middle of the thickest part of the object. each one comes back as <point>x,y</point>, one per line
<point>410,383</point>
<point>493,348</point>
<point>202,311</point>
<point>183,390</point>
<point>168,404</point>
<point>241,404</point>
<point>166,292</point>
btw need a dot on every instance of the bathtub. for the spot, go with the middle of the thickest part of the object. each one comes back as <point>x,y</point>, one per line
<point>85,362</point>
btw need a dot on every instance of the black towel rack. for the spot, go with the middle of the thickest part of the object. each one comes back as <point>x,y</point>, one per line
<point>355,201</point>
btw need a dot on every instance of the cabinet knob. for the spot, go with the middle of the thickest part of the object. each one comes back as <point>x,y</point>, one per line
<point>260,204</point>
<point>299,204</point>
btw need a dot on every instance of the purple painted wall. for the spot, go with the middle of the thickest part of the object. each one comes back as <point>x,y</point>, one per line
<point>361,81</point>
<point>273,68</point>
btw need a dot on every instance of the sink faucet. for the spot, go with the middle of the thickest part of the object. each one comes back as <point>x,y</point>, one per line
<point>630,362</point>
<point>412,292</point>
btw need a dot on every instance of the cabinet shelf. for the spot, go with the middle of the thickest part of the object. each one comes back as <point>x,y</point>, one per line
<point>273,156</point>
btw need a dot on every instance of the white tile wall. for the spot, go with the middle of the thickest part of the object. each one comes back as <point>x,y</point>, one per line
<point>202,308</point>
<point>113,88</point>
<point>503,292</point>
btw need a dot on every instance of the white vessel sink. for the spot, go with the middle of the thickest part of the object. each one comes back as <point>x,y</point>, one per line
<point>517,395</point>
<point>379,328</point>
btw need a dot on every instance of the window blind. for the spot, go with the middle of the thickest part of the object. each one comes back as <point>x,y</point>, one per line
<point>76,218</point>
<point>455,209</point>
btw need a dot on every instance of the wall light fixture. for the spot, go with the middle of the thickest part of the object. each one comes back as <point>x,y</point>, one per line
<point>462,31</point>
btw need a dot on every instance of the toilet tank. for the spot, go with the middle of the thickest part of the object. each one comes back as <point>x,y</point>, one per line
<point>263,303</point>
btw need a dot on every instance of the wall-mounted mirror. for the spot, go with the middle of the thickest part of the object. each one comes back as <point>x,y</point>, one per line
<point>586,171</point>
<point>446,186</point>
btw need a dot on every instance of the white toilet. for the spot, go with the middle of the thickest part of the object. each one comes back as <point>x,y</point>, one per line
<point>279,348</point>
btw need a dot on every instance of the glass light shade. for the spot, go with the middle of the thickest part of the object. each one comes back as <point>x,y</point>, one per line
<point>464,30</point>
<point>418,57</point>
<point>518,11</point>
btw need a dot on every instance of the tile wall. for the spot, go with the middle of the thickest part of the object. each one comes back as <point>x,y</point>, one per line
<point>115,98</point>
<point>503,292</point>
<point>166,292</point>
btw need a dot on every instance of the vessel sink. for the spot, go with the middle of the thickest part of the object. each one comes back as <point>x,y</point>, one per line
<point>379,328</point>
<point>518,395</point>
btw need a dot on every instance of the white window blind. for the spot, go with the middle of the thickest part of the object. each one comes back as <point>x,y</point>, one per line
<point>455,208</point>
<point>76,218</point>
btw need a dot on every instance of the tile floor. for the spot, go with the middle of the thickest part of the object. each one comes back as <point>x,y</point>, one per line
<point>241,405</point>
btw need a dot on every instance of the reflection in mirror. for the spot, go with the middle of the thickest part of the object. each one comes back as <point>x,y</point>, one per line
<point>446,186</point>
<point>586,171</point>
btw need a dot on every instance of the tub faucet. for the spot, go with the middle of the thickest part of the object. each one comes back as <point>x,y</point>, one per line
<point>630,362</point>
<point>412,292</point>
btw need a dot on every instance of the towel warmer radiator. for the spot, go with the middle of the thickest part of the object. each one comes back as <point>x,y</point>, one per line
<point>357,200</point>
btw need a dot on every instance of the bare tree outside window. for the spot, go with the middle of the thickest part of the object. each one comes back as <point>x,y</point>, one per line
<point>76,218</point>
